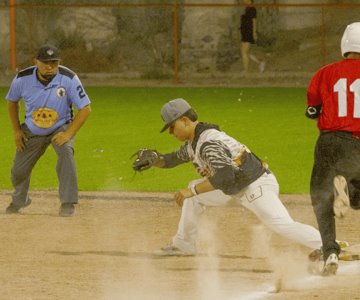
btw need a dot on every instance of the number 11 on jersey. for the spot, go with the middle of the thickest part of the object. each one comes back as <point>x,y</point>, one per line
<point>340,87</point>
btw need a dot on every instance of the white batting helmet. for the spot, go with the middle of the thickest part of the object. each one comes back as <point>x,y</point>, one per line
<point>350,41</point>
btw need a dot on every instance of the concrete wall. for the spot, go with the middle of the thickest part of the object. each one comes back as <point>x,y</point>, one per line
<point>209,35</point>
<point>203,30</point>
<point>299,17</point>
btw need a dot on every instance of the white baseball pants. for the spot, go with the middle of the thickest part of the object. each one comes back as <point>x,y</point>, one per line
<point>260,197</point>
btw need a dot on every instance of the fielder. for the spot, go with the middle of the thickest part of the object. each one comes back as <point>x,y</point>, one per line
<point>49,92</point>
<point>333,99</point>
<point>229,170</point>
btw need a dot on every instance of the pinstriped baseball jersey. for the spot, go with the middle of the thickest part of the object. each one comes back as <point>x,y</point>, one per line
<point>48,107</point>
<point>229,165</point>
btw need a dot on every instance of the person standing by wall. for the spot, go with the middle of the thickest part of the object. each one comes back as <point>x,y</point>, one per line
<point>49,91</point>
<point>248,31</point>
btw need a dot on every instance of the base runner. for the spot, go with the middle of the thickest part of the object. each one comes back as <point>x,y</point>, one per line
<point>333,100</point>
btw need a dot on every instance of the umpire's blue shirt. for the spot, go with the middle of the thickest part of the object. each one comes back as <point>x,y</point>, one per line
<point>48,107</point>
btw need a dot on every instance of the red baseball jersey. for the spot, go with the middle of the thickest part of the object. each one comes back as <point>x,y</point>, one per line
<point>336,88</point>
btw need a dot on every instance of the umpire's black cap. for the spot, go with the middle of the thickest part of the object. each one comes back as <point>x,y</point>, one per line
<point>48,53</point>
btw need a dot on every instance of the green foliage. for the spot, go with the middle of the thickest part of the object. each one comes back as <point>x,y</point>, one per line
<point>270,121</point>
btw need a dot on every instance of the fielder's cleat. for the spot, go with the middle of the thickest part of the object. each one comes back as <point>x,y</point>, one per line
<point>316,255</point>
<point>341,196</point>
<point>14,209</point>
<point>171,250</point>
<point>315,262</point>
<point>331,265</point>
<point>67,210</point>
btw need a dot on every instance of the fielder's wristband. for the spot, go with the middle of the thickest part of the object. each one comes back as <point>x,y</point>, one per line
<point>193,189</point>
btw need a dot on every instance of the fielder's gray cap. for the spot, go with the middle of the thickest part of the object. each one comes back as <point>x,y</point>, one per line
<point>173,110</point>
<point>48,53</point>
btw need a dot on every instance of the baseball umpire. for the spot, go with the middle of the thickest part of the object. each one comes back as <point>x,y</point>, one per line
<point>49,91</point>
<point>333,99</point>
<point>230,172</point>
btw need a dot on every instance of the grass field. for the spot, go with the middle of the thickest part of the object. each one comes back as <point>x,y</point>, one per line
<point>270,121</point>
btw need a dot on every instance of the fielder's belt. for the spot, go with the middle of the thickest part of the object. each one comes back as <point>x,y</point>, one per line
<point>238,160</point>
<point>44,117</point>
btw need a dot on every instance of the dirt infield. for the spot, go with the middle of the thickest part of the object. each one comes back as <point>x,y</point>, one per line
<point>106,251</point>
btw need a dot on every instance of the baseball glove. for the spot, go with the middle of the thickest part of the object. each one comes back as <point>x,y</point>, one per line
<point>145,159</point>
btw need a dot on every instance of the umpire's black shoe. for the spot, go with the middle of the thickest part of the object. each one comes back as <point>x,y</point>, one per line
<point>14,209</point>
<point>67,210</point>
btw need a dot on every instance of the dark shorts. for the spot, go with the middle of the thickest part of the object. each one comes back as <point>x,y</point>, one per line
<point>247,37</point>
